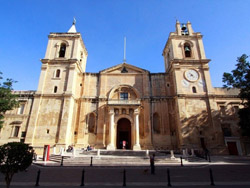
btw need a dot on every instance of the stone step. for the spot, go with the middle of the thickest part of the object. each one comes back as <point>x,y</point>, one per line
<point>92,152</point>
<point>195,159</point>
<point>106,160</point>
<point>117,157</point>
<point>58,158</point>
<point>125,152</point>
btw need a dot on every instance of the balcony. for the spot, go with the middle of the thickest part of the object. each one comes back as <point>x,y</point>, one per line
<point>123,102</point>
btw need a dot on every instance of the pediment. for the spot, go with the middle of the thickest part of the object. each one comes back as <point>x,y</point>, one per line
<point>124,68</point>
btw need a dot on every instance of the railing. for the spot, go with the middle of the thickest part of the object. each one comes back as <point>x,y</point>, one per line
<point>124,102</point>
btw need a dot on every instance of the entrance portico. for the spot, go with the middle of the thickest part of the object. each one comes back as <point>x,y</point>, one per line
<point>123,126</point>
<point>123,105</point>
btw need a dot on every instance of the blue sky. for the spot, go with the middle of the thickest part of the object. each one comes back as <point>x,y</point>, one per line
<point>25,26</point>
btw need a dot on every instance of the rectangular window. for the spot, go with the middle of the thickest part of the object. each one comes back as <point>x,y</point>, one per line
<point>21,109</point>
<point>123,96</point>
<point>16,131</point>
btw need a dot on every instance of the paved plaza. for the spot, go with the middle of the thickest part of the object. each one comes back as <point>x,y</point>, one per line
<point>227,172</point>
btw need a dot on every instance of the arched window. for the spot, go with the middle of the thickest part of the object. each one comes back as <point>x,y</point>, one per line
<point>194,89</point>
<point>187,50</point>
<point>91,124</point>
<point>62,50</point>
<point>55,89</point>
<point>58,73</point>
<point>156,123</point>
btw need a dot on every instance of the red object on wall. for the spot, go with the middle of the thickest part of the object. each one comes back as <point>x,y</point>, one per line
<point>46,152</point>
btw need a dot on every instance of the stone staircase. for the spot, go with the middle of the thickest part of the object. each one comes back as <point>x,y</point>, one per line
<point>58,158</point>
<point>121,152</point>
<point>112,158</point>
<point>114,161</point>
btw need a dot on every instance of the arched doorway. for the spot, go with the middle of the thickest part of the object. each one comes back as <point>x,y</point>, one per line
<point>123,133</point>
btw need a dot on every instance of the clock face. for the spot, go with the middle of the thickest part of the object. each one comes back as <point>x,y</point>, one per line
<point>191,75</point>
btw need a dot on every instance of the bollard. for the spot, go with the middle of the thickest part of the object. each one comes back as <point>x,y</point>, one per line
<point>172,154</point>
<point>169,183</point>
<point>82,181</point>
<point>91,161</point>
<point>192,153</point>
<point>211,177</point>
<point>54,150</point>
<point>61,151</point>
<point>62,161</point>
<point>184,153</point>
<point>181,162</point>
<point>38,177</point>
<point>209,159</point>
<point>124,178</point>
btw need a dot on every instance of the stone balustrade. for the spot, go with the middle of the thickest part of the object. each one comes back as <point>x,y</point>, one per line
<point>123,102</point>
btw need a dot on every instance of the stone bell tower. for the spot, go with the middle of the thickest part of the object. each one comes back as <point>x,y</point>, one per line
<point>59,88</point>
<point>187,65</point>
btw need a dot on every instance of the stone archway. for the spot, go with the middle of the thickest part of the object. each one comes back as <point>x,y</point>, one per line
<point>123,133</point>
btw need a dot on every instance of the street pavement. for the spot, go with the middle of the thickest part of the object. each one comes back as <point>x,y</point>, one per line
<point>227,172</point>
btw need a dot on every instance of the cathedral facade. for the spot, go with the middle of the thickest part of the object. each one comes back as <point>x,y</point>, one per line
<point>124,106</point>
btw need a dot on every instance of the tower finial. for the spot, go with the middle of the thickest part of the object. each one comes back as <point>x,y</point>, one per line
<point>73,27</point>
<point>177,21</point>
<point>124,52</point>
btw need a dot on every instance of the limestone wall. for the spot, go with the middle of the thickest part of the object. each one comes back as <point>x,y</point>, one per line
<point>18,117</point>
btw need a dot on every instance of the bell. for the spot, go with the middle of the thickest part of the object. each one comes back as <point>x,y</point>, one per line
<point>187,49</point>
<point>183,28</point>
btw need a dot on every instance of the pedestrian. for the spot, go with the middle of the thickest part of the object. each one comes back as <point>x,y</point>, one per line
<point>152,163</point>
<point>124,144</point>
<point>34,156</point>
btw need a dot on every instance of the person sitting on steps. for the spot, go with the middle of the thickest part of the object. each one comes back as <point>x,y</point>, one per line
<point>70,148</point>
<point>89,148</point>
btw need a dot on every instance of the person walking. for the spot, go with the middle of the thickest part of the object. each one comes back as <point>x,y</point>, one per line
<point>152,163</point>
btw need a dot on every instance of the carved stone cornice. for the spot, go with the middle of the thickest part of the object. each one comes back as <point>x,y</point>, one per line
<point>63,95</point>
<point>191,61</point>
<point>59,60</point>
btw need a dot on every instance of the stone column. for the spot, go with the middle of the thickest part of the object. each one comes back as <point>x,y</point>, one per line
<point>137,136</point>
<point>111,145</point>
